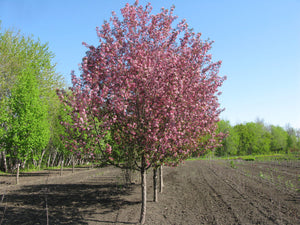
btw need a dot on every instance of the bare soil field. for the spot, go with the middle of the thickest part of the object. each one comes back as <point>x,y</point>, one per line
<point>198,192</point>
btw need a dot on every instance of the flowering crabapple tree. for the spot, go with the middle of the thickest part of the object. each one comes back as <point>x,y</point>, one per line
<point>154,88</point>
<point>79,136</point>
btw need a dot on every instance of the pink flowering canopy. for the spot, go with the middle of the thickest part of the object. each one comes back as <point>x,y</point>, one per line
<point>79,136</point>
<point>152,84</point>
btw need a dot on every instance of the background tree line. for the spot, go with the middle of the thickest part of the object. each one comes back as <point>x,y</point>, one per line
<point>257,138</point>
<point>30,110</point>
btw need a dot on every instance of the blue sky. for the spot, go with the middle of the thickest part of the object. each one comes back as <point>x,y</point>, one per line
<point>257,40</point>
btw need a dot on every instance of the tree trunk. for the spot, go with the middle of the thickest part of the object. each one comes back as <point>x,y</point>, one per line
<point>49,158</point>
<point>4,161</point>
<point>41,159</point>
<point>23,164</point>
<point>155,184</point>
<point>144,191</point>
<point>61,165</point>
<point>70,160</point>
<point>161,180</point>
<point>73,164</point>
<point>54,157</point>
<point>34,163</point>
<point>18,172</point>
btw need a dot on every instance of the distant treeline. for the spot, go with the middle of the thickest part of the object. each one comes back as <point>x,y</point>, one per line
<point>257,138</point>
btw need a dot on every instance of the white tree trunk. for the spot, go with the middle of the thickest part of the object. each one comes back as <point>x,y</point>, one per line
<point>155,198</point>
<point>4,161</point>
<point>161,179</point>
<point>18,172</point>
<point>144,192</point>
<point>61,166</point>
<point>73,164</point>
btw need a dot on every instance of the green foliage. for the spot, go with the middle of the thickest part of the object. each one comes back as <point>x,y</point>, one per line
<point>232,165</point>
<point>28,101</point>
<point>279,139</point>
<point>230,142</point>
<point>18,52</point>
<point>261,175</point>
<point>256,138</point>
<point>253,138</point>
<point>249,158</point>
<point>28,131</point>
<point>291,139</point>
<point>57,130</point>
<point>3,121</point>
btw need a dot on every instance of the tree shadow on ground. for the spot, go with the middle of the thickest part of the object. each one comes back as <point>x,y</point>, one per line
<point>26,174</point>
<point>39,174</point>
<point>67,203</point>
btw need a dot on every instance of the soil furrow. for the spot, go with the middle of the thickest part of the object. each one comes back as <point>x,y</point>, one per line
<point>258,194</point>
<point>239,201</point>
<point>198,192</point>
<point>231,217</point>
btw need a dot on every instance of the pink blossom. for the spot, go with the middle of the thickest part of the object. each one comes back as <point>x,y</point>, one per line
<point>150,82</point>
<point>108,149</point>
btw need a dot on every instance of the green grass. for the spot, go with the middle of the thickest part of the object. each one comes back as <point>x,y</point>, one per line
<point>267,157</point>
<point>3,173</point>
<point>31,168</point>
<point>195,159</point>
<point>232,165</point>
<point>290,156</point>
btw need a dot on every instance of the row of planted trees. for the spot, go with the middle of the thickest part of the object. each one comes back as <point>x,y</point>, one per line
<point>28,104</point>
<point>257,138</point>
<point>147,96</point>
<point>30,110</point>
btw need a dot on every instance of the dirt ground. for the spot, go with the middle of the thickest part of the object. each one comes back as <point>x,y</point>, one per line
<point>198,192</point>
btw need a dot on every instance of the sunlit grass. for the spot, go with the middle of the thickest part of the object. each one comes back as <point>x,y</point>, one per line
<point>266,157</point>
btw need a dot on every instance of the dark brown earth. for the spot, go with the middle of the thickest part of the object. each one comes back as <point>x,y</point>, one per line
<point>198,192</point>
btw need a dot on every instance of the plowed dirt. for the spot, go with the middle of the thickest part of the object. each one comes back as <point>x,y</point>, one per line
<point>198,192</point>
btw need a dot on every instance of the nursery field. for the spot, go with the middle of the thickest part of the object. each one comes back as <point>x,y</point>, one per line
<point>197,192</point>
